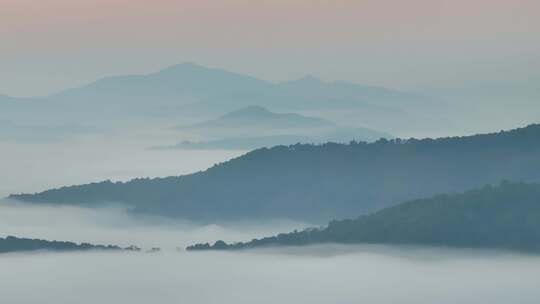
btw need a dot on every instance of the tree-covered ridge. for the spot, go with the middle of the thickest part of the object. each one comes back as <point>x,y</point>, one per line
<point>322,182</point>
<point>506,216</point>
<point>14,244</point>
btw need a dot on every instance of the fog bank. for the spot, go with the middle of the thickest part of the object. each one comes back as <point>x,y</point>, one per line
<point>32,167</point>
<point>314,274</point>
<point>113,225</point>
<point>357,275</point>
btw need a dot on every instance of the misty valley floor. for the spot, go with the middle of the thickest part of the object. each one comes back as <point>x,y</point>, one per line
<point>308,275</point>
<point>269,152</point>
<point>312,274</point>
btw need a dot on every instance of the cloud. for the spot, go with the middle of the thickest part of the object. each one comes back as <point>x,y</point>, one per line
<point>361,275</point>
<point>112,225</point>
<point>315,274</point>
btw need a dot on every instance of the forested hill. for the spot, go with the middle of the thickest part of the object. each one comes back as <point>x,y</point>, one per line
<point>14,244</point>
<point>503,217</point>
<point>322,182</point>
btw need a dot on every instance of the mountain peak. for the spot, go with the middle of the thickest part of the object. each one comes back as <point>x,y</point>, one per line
<point>184,67</point>
<point>251,111</point>
<point>321,182</point>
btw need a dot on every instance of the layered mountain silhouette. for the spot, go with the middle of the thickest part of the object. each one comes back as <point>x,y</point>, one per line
<point>260,118</point>
<point>182,83</point>
<point>188,83</point>
<point>255,127</point>
<point>241,143</point>
<point>189,90</point>
<point>321,182</point>
<point>506,216</point>
<point>340,135</point>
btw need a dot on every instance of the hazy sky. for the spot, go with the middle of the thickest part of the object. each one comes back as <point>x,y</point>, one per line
<point>46,45</point>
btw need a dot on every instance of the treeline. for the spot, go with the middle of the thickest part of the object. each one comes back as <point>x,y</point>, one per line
<point>15,244</point>
<point>506,216</point>
<point>317,183</point>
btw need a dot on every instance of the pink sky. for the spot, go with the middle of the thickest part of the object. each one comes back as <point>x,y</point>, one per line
<point>373,41</point>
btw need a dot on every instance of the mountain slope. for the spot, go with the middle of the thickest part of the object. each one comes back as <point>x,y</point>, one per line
<point>255,127</point>
<point>187,83</point>
<point>189,90</point>
<point>504,217</point>
<point>260,117</point>
<point>242,143</point>
<point>338,135</point>
<point>321,182</point>
<point>179,83</point>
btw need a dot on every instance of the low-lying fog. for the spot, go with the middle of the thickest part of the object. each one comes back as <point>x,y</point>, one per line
<point>37,166</point>
<point>318,274</point>
<point>114,226</point>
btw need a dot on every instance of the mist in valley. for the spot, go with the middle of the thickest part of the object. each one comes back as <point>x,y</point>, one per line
<point>115,225</point>
<point>377,92</point>
<point>116,154</point>
<point>316,274</point>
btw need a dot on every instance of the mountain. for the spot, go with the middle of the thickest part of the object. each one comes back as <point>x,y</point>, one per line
<point>257,118</point>
<point>502,217</point>
<point>182,83</point>
<point>345,94</point>
<point>188,83</point>
<point>337,135</point>
<point>14,244</point>
<point>255,127</point>
<point>242,143</point>
<point>321,182</point>
<point>189,90</point>
<point>123,99</point>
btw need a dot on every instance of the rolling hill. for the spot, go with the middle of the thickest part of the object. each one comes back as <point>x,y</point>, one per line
<point>255,127</point>
<point>189,90</point>
<point>506,216</point>
<point>320,182</point>
<point>260,117</point>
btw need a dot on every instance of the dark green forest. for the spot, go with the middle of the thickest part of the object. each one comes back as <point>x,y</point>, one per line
<point>14,244</point>
<point>317,183</point>
<point>506,216</point>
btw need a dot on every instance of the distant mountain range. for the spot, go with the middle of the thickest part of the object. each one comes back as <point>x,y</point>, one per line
<point>258,117</point>
<point>341,135</point>
<point>189,90</point>
<point>502,217</point>
<point>321,182</point>
<point>240,143</point>
<point>14,244</point>
<point>188,83</point>
<point>255,127</point>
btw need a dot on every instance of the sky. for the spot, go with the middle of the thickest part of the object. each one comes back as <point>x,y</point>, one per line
<point>49,45</point>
